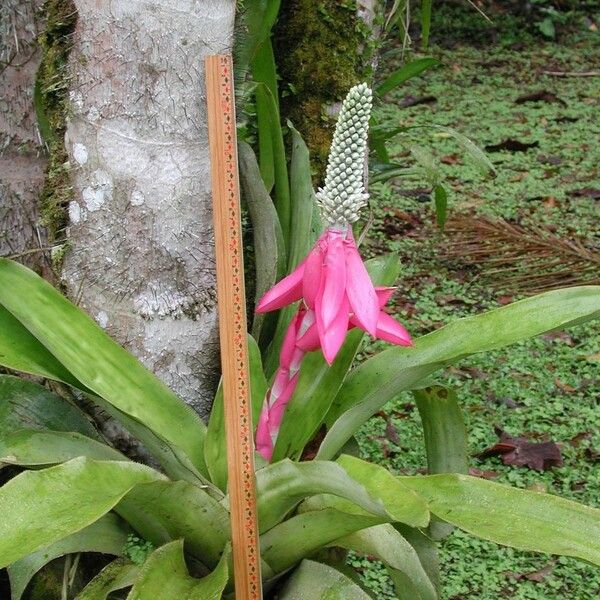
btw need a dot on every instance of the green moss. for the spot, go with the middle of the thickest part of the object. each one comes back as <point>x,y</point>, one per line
<point>322,50</point>
<point>51,92</point>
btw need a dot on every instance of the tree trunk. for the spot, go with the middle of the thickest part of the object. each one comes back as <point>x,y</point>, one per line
<point>140,257</point>
<point>22,154</point>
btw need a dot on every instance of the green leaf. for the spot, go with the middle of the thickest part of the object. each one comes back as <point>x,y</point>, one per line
<point>445,439</point>
<point>302,199</point>
<point>384,376</point>
<point>319,383</point>
<point>115,576</point>
<point>21,351</point>
<point>513,517</point>
<point>39,508</point>
<point>547,28</point>
<point>425,22</point>
<point>265,138</point>
<point>28,405</point>
<point>316,580</point>
<point>399,501</point>
<point>440,198</point>
<point>282,485</point>
<point>256,20</point>
<point>164,575</point>
<point>482,162</point>
<point>99,362</point>
<point>406,72</point>
<point>269,250</point>
<point>309,532</point>
<point>162,511</point>
<point>215,445</point>
<point>31,447</point>
<point>388,545</point>
<point>267,105</point>
<point>107,535</point>
<point>425,548</point>
<point>443,429</point>
<point>428,164</point>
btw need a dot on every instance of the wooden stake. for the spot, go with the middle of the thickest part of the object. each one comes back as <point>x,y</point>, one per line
<point>232,326</point>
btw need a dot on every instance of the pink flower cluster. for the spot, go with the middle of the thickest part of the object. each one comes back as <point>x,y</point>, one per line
<point>337,294</point>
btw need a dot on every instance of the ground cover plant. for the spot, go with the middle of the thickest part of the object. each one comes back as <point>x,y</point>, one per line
<point>546,388</point>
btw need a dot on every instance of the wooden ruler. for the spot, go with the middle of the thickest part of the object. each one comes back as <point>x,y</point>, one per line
<point>232,326</point>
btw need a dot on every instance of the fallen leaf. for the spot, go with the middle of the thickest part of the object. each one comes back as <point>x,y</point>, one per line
<point>537,576</point>
<point>592,454</point>
<point>563,336</point>
<point>391,433</point>
<point>520,452</point>
<point>577,439</point>
<point>566,119</point>
<point>450,159</point>
<point>540,96</point>
<point>512,145</point>
<point>473,471</point>
<point>416,100</point>
<point>550,202</point>
<point>550,159</point>
<point>519,177</point>
<point>565,387</point>
<point>593,193</point>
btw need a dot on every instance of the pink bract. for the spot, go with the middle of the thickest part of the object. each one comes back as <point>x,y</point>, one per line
<point>333,281</point>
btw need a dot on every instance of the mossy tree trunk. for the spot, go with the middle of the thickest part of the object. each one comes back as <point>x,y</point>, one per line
<point>22,152</point>
<point>322,49</point>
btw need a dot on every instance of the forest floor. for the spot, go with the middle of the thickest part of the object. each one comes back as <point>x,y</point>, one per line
<point>541,132</point>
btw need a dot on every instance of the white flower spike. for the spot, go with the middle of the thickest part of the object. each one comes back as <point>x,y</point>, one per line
<point>343,194</point>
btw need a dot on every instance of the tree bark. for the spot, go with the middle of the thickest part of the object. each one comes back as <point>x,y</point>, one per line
<point>140,257</point>
<point>22,154</point>
<point>322,49</point>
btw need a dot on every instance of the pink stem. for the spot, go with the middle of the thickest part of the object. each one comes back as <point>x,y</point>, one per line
<point>284,383</point>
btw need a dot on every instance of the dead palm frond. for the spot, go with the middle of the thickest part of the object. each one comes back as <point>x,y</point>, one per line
<point>520,259</point>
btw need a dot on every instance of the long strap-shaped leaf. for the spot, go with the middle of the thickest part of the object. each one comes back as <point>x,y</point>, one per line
<point>309,532</point>
<point>165,576</point>
<point>39,508</point>
<point>445,437</point>
<point>388,545</point>
<point>107,535</point>
<point>162,511</point>
<point>269,248</point>
<point>97,361</point>
<point>24,404</point>
<point>387,374</point>
<point>215,450</point>
<point>315,580</point>
<point>281,486</point>
<point>115,576</point>
<point>519,518</point>
<point>30,447</point>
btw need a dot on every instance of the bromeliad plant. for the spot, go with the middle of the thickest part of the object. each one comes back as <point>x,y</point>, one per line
<point>75,493</point>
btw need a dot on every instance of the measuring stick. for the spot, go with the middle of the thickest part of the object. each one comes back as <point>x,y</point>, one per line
<point>232,326</point>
